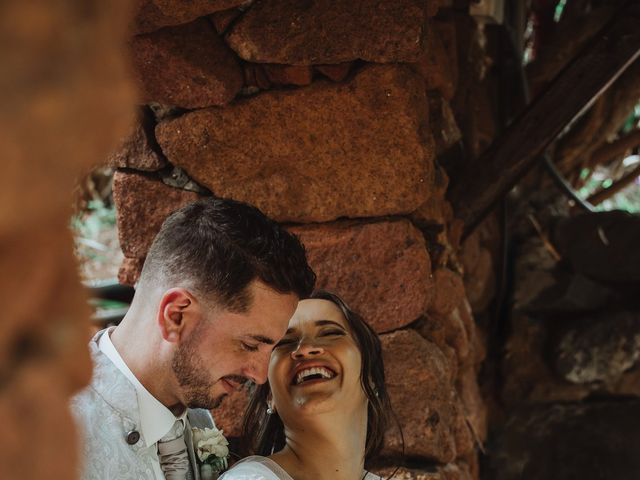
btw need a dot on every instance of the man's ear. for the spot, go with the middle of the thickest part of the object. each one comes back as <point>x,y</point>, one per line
<point>176,305</point>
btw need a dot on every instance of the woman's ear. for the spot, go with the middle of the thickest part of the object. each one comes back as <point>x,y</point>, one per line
<point>175,305</point>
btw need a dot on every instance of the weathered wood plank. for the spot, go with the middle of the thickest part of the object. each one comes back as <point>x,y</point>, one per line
<point>476,190</point>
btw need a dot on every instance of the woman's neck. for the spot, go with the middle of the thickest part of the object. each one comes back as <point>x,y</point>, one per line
<point>329,447</point>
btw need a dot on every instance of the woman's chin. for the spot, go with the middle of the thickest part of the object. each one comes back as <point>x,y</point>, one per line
<point>313,402</point>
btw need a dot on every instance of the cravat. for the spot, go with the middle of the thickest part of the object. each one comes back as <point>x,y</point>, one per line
<point>172,453</point>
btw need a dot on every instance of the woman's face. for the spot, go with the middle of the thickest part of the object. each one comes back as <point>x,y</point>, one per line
<point>316,366</point>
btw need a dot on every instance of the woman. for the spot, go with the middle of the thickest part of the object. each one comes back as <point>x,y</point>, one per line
<point>324,408</point>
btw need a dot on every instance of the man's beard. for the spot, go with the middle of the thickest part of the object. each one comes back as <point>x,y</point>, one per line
<point>192,375</point>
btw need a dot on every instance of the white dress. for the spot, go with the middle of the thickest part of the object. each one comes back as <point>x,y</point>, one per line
<point>263,468</point>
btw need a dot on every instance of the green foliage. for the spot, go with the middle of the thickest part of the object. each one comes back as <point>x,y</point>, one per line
<point>627,199</point>
<point>94,230</point>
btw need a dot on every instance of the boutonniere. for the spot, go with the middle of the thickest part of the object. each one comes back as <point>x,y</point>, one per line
<point>212,451</point>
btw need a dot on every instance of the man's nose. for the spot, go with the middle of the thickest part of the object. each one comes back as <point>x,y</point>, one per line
<point>307,348</point>
<point>257,371</point>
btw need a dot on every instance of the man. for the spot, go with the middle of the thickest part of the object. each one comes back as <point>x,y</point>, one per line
<point>216,292</point>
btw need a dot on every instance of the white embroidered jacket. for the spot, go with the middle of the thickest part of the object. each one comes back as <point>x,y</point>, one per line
<point>108,420</point>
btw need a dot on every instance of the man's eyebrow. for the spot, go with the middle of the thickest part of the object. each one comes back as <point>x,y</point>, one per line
<point>262,339</point>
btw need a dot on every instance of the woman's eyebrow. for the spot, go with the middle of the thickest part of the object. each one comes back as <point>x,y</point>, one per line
<point>322,323</point>
<point>319,323</point>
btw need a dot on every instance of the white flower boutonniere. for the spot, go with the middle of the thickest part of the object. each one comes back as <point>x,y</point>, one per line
<point>212,450</point>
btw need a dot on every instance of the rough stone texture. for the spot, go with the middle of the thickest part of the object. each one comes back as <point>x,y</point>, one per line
<point>323,31</point>
<point>426,406</point>
<point>528,370</point>
<point>302,161</point>
<point>472,102</point>
<point>222,20</point>
<point>443,123</point>
<point>448,291</point>
<point>455,329</point>
<point>589,442</point>
<point>154,14</point>
<point>337,73</point>
<point>228,415</point>
<point>289,74</point>
<point>571,294</point>
<point>255,78</point>
<point>601,245</point>
<point>139,148</point>
<point>187,66</point>
<point>599,348</point>
<point>450,471</point>
<point>474,407</point>
<point>479,273</point>
<point>435,63</point>
<point>142,205</point>
<point>381,269</point>
<point>129,271</point>
<point>528,377</point>
<point>527,374</point>
<point>65,101</point>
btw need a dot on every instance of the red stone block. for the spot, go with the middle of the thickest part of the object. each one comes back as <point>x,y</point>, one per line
<point>448,293</point>
<point>152,15</point>
<point>142,204</point>
<point>337,73</point>
<point>289,74</point>
<point>135,150</point>
<point>381,269</point>
<point>187,66</point>
<point>222,20</point>
<point>356,149</point>
<point>329,32</point>
<point>423,399</point>
<point>129,271</point>
<point>436,63</point>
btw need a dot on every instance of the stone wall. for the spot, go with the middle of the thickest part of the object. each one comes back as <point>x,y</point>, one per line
<point>330,117</point>
<point>571,367</point>
<point>66,99</point>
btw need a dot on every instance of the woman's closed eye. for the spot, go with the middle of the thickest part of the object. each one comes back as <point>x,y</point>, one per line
<point>332,332</point>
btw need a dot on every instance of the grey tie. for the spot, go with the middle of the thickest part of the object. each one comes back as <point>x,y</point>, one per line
<point>172,453</point>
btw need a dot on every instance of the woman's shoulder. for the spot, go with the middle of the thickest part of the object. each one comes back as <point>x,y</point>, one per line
<point>372,476</point>
<point>255,468</point>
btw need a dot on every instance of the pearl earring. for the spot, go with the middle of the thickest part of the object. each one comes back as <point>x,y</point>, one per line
<point>270,411</point>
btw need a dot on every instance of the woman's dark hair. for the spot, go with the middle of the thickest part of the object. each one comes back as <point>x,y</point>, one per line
<point>263,434</point>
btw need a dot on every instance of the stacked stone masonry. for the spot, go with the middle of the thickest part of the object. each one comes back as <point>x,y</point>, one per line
<point>66,99</point>
<point>329,117</point>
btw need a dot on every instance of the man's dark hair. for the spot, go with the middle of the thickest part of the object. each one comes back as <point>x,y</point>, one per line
<point>216,247</point>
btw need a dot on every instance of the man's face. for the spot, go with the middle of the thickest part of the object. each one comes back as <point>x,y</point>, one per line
<point>225,349</point>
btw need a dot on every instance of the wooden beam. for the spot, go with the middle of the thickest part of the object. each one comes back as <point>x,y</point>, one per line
<point>606,193</point>
<point>487,179</point>
<point>610,151</point>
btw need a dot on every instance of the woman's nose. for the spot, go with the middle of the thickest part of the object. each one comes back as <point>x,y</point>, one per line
<point>306,348</point>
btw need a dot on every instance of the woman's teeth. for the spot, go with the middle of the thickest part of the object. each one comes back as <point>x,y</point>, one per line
<point>313,374</point>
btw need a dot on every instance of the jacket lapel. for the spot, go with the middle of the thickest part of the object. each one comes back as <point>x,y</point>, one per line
<point>188,436</point>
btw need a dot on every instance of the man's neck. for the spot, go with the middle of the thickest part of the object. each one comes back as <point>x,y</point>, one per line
<point>126,339</point>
